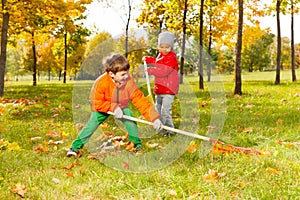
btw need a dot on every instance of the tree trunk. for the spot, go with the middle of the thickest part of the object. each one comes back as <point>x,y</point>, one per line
<point>59,75</point>
<point>209,60</point>
<point>238,78</point>
<point>66,58</point>
<point>200,71</point>
<point>34,61</point>
<point>183,41</point>
<point>277,80</point>
<point>5,21</point>
<point>127,29</point>
<point>250,69</point>
<point>294,79</point>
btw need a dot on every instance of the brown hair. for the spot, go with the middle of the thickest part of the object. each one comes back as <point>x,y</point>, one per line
<point>116,63</point>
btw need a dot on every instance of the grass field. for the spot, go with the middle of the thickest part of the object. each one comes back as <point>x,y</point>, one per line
<point>37,125</point>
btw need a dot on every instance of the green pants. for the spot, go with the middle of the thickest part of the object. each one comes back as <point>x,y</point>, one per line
<point>98,118</point>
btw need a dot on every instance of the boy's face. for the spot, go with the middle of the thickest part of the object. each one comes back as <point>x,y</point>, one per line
<point>119,77</point>
<point>164,49</point>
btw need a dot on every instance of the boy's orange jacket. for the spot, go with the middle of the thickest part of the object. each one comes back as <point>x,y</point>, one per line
<point>106,96</point>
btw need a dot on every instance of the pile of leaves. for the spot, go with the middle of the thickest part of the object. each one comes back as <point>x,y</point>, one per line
<point>112,145</point>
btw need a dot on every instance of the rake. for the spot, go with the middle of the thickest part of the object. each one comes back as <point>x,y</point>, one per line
<point>149,96</point>
<point>218,146</point>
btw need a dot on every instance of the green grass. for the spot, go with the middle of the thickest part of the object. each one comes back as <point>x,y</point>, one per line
<point>271,112</point>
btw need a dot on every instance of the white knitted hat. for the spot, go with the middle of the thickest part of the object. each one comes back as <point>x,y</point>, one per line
<point>166,38</point>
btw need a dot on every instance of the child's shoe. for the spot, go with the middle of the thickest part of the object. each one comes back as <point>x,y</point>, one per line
<point>166,133</point>
<point>139,148</point>
<point>169,133</point>
<point>72,152</point>
<point>162,132</point>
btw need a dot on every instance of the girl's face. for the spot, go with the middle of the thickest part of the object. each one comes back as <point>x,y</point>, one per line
<point>119,77</point>
<point>164,49</point>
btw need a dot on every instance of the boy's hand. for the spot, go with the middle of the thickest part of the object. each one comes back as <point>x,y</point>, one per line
<point>118,113</point>
<point>157,124</point>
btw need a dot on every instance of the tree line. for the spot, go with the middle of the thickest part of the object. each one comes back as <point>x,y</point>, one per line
<point>49,38</point>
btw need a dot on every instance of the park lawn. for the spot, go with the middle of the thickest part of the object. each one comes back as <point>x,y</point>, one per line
<point>266,117</point>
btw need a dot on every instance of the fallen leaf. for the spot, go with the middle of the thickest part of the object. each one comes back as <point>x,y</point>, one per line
<point>69,166</point>
<point>19,189</point>
<point>130,146</point>
<point>213,176</point>
<point>192,147</point>
<point>249,105</point>
<point>107,133</point>
<point>63,134</point>
<point>171,192</point>
<point>55,115</point>
<point>152,145</point>
<point>52,134</point>
<point>91,157</point>
<point>82,170</point>
<point>54,124</point>
<point>219,148</point>
<point>279,121</point>
<point>240,125</point>
<point>2,110</point>
<point>53,142</point>
<point>273,171</point>
<point>35,138</point>
<point>37,114</point>
<point>104,125</point>
<point>13,147</point>
<point>126,165</point>
<point>46,102</point>
<point>288,144</point>
<point>41,148</point>
<point>247,130</point>
<point>264,152</point>
<point>55,180</point>
<point>211,127</point>
<point>241,184</point>
<point>69,174</point>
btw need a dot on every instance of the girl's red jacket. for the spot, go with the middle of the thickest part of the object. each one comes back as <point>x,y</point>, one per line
<point>165,71</point>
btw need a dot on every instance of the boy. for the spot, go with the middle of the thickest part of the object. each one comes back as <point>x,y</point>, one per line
<point>111,92</point>
<point>166,78</point>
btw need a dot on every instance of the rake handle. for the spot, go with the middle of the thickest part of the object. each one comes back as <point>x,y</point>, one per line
<point>147,78</point>
<point>168,128</point>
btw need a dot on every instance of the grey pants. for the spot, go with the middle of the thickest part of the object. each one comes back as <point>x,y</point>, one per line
<point>163,106</point>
